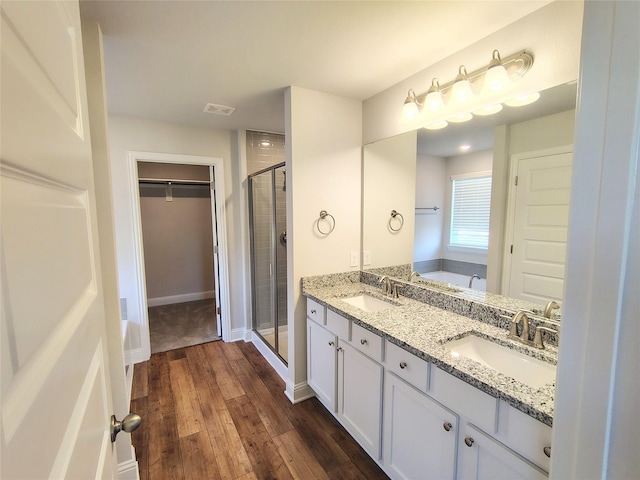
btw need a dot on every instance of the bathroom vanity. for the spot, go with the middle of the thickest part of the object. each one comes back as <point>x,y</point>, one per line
<point>400,375</point>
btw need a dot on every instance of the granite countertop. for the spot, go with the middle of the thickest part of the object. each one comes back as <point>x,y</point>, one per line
<point>422,329</point>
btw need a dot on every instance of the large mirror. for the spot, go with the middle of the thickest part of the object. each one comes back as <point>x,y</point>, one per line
<point>513,239</point>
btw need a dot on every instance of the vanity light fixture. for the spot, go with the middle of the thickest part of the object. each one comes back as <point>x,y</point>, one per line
<point>480,92</point>
<point>434,101</point>
<point>411,110</point>
<point>461,90</point>
<point>496,77</point>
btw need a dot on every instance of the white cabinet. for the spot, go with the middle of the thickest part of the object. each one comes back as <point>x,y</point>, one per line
<point>481,457</point>
<point>360,397</point>
<point>419,434</point>
<point>321,363</point>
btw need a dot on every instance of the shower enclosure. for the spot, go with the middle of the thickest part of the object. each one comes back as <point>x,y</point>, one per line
<point>267,222</point>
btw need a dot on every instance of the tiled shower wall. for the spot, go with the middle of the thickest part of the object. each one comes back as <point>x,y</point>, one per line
<point>259,157</point>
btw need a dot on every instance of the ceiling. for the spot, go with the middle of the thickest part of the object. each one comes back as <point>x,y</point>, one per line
<point>165,60</point>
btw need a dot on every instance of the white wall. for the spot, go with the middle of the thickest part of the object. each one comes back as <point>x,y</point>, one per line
<point>537,134</point>
<point>129,134</point>
<point>469,163</point>
<point>323,155</point>
<point>389,184</point>
<point>430,192</point>
<point>551,34</point>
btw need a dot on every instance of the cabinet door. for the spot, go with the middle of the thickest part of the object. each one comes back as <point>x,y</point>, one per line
<point>321,363</point>
<point>482,457</point>
<point>419,434</point>
<point>360,397</point>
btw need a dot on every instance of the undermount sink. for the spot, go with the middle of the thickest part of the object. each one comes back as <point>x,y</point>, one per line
<point>512,363</point>
<point>368,303</point>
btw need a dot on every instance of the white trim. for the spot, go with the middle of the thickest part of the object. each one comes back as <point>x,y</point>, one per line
<point>129,470</point>
<point>237,334</point>
<point>184,297</point>
<point>514,162</point>
<point>275,362</point>
<point>298,393</point>
<point>136,355</point>
<point>133,158</point>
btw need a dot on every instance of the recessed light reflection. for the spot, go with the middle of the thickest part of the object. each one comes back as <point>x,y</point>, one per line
<point>464,148</point>
<point>455,354</point>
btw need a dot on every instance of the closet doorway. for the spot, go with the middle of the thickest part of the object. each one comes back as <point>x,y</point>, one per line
<point>177,213</point>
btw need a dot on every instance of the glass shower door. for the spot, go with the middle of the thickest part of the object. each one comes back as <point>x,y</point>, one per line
<point>267,218</point>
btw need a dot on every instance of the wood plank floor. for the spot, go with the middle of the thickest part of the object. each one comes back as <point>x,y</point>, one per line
<point>218,411</point>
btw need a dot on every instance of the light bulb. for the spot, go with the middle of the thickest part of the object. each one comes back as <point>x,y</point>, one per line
<point>461,90</point>
<point>522,100</point>
<point>433,101</point>
<point>496,76</point>
<point>488,110</point>
<point>410,109</point>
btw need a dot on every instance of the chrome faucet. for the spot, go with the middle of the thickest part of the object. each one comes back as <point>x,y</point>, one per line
<point>387,285</point>
<point>552,305</point>
<point>413,274</point>
<point>475,275</point>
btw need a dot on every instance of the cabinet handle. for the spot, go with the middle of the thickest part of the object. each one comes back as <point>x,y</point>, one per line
<point>547,451</point>
<point>313,311</point>
<point>331,344</point>
<point>403,365</point>
<point>339,349</point>
<point>469,441</point>
<point>363,341</point>
<point>447,426</point>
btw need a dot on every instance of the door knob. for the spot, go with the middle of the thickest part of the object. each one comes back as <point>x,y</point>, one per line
<point>129,423</point>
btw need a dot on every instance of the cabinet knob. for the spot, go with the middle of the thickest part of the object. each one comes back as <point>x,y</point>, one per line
<point>403,365</point>
<point>469,441</point>
<point>547,451</point>
<point>363,341</point>
<point>331,344</point>
<point>447,426</point>
<point>339,349</point>
<point>313,311</point>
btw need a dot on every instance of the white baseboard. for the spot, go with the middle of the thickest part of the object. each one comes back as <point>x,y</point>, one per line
<point>299,392</point>
<point>273,360</point>
<point>128,470</point>
<point>185,297</point>
<point>237,334</point>
<point>135,356</point>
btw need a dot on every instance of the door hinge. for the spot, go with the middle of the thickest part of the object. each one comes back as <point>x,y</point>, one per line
<point>215,249</point>
<point>511,248</point>
<point>516,180</point>
<point>218,310</point>
<point>213,185</point>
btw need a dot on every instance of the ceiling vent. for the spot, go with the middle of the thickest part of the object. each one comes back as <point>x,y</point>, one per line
<point>219,109</point>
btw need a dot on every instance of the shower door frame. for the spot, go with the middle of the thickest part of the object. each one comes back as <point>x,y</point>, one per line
<point>274,256</point>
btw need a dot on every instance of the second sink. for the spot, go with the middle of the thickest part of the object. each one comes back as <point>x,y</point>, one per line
<point>512,363</point>
<point>368,303</point>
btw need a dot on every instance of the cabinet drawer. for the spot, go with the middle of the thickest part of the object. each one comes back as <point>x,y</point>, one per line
<point>407,366</point>
<point>527,436</point>
<point>478,407</point>
<point>367,342</point>
<point>338,325</point>
<point>316,312</point>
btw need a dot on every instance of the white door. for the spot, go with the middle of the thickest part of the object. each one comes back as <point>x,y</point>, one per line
<point>56,398</point>
<point>321,363</point>
<point>540,215</point>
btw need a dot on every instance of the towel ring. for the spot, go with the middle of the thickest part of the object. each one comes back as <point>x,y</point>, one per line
<point>323,216</point>
<point>395,214</point>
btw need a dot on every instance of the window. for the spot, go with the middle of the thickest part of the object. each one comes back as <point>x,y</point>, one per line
<point>470,209</point>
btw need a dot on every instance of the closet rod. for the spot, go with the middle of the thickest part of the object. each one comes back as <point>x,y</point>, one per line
<point>173,181</point>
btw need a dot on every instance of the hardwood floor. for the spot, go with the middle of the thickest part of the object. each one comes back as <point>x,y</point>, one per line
<point>218,411</point>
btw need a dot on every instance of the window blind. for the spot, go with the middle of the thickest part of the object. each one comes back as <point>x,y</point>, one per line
<point>470,211</point>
